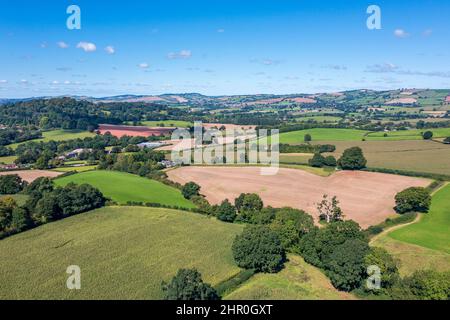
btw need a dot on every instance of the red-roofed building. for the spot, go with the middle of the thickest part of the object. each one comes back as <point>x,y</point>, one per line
<point>447,100</point>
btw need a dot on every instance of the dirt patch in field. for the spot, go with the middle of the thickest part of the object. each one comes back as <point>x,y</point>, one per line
<point>134,131</point>
<point>366,197</point>
<point>402,101</point>
<point>31,175</point>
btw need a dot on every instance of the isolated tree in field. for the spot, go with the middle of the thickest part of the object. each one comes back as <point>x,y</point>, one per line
<point>308,138</point>
<point>415,199</point>
<point>330,211</point>
<point>226,211</point>
<point>346,268</point>
<point>427,135</point>
<point>317,161</point>
<point>259,248</point>
<point>11,184</point>
<point>188,285</point>
<point>190,190</point>
<point>352,159</point>
<point>330,161</point>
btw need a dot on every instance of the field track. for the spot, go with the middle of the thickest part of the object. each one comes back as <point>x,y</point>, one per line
<point>367,198</point>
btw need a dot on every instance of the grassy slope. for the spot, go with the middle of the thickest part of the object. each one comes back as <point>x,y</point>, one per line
<point>123,253</point>
<point>298,281</point>
<point>8,160</point>
<point>433,230</point>
<point>409,134</point>
<point>297,137</point>
<point>122,187</point>
<point>77,169</point>
<point>59,135</point>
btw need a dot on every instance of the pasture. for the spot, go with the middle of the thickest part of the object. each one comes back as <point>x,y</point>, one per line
<point>433,229</point>
<point>408,134</point>
<point>122,187</point>
<point>8,159</point>
<point>322,134</point>
<point>123,253</point>
<point>297,281</point>
<point>75,168</point>
<point>59,135</point>
<point>367,198</point>
<point>418,155</point>
<point>167,123</point>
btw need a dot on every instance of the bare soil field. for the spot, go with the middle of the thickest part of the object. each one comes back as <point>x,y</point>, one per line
<point>133,131</point>
<point>366,197</point>
<point>31,175</point>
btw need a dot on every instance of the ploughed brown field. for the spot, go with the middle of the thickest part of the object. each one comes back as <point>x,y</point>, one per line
<point>31,175</point>
<point>365,197</point>
<point>133,131</point>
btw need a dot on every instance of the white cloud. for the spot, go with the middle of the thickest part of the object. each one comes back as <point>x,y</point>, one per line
<point>110,50</point>
<point>23,81</point>
<point>62,45</point>
<point>3,81</point>
<point>55,82</point>
<point>400,33</point>
<point>183,54</point>
<point>144,65</point>
<point>382,68</point>
<point>44,45</point>
<point>220,30</point>
<point>427,33</point>
<point>87,46</point>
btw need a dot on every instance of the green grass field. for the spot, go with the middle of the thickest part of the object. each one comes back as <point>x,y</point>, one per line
<point>408,134</point>
<point>168,123</point>
<point>320,134</point>
<point>122,187</point>
<point>297,281</point>
<point>433,230</point>
<point>123,253</point>
<point>59,135</point>
<point>77,169</point>
<point>8,160</point>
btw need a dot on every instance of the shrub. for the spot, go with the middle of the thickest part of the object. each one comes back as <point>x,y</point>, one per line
<point>413,199</point>
<point>188,285</point>
<point>259,248</point>
<point>427,135</point>
<point>308,138</point>
<point>352,159</point>
<point>226,211</point>
<point>317,161</point>
<point>190,190</point>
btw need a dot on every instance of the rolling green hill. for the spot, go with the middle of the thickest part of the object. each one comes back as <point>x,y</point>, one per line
<point>123,253</point>
<point>123,187</point>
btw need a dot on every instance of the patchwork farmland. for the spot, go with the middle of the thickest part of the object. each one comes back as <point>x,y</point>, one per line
<point>133,131</point>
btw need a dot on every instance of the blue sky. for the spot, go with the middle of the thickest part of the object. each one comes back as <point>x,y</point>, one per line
<point>221,47</point>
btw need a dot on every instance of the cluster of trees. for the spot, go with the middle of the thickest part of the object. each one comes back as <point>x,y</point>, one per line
<point>143,163</point>
<point>16,135</point>
<point>46,203</point>
<point>188,285</point>
<point>65,113</point>
<point>427,135</point>
<point>319,161</point>
<point>414,199</point>
<point>306,148</point>
<point>11,184</point>
<point>352,159</point>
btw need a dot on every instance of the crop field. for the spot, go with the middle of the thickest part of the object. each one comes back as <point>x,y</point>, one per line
<point>319,134</point>
<point>433,230</point>
<point>133,131</point>
<point>418,155</point>
<point>123,253</point>
<point>31,175</point>
<point>123,187</point>
<point>297,281</point>
<point>367,198</point>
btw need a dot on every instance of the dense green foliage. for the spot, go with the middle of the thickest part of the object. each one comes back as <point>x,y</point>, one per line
<point>14,135</point>
<point>427,135</point>
<point>306,148</point>
<point>248,205</point>
<point>423,285</point>
<point>226,211</point>
<point>413,199</point>
<point>188,284</point>
<point>11,184</point>
<point>190,189</point>
<point>259,248</point>
<point>352,159</point>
